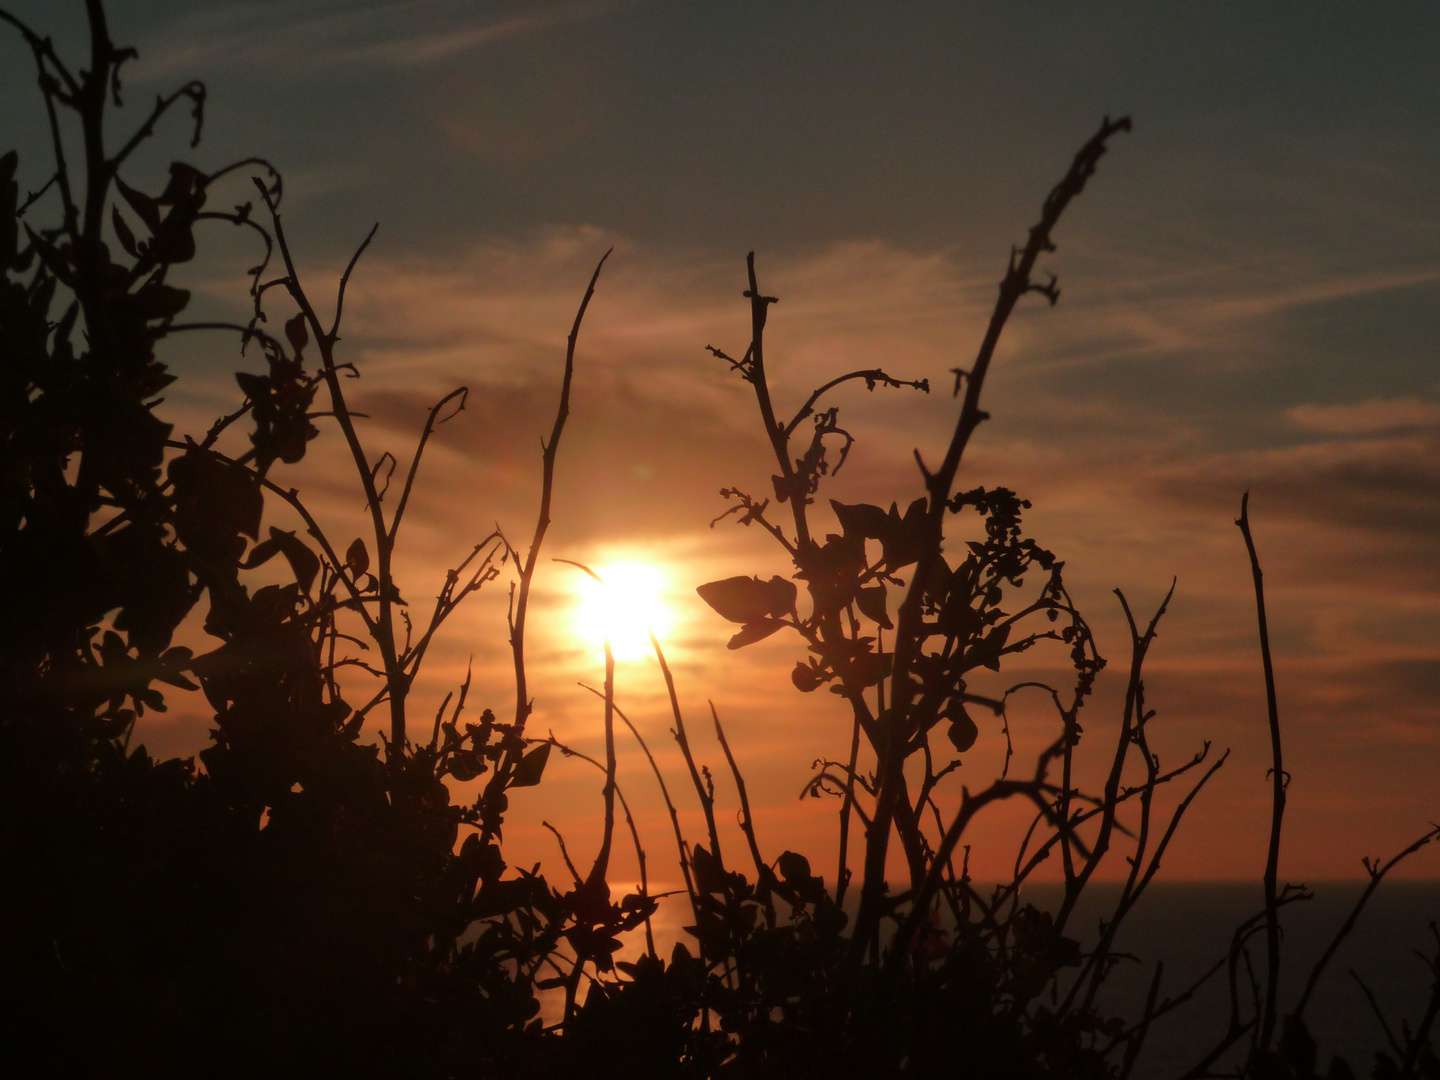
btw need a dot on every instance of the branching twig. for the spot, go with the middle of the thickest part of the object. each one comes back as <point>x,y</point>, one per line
<point>1376,872</point>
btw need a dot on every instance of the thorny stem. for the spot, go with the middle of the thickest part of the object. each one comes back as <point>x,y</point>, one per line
<point>790,488</point>
<point>1095,965</point>
<point>909,633</point>
<point>870,375</point>
<point>759,310</point>
<point>596,880</point>
<point>970,805</point>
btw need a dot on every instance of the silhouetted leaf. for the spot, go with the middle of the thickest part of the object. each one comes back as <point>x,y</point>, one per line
<point>868,668</point>
<point>860,519</point>
<point>175,678</point>
<point>255,387</point>
<point>303,561</point>
<point>215,502</point>
<point>795,870</point>
<point>260,554</point>
<point>465,765</point>
<point>904,538</point>
<point>753,632</point>
<point>530,768</point>
<point>709,871</point>
<point>157,301</point>
<point>50,255</point>
<point>274,604</point>
<point>871,602</point>
<point>833,571</point>
<point>152,585</point>
<point>793,867</point>
<point>122,231</point>
<point>962,731</point>
<point>357,559</point>
<point>806,677</point>
<point>987,652</point>
<point>958,618</point>
<point>296,333</point>
<point>748,599</point>
<point>141,203</point>
<point>182,187</point>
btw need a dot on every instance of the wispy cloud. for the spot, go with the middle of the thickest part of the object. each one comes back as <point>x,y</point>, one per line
<point>1128,495</point>
<point>1367,417</point>
<point>302,37</point>
<point>1128,309</point>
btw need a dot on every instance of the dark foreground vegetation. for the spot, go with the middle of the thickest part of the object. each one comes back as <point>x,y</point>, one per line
<point>304,902</point>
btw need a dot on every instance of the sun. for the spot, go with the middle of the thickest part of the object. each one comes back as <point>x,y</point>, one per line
<point>627,607</point>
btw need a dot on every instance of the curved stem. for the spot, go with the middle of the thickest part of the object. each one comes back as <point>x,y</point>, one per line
<point>1277,799</point>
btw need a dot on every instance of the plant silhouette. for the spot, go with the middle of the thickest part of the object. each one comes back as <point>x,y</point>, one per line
<point>303,901</point>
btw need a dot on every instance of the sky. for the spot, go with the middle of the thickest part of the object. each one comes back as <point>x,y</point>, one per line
<point>1249,302</point>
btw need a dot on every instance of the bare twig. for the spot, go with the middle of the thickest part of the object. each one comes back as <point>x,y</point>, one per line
<point>501,776</point>
<point>1278,791</point>
<point>707,799</point>
<point>665,794</point>
<point>1376,872</point>
<point>432,421</point>
<point>747,823</point>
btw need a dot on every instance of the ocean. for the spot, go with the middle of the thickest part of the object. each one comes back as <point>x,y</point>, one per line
<point>1188,926</point>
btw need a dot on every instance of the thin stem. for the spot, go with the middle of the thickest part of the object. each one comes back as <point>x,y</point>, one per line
<point>542,523</point>
<point>334,334</point>
<point>432,421</point>
<point>602,860</point>
<point>501,777</point>
<point>669,805</point>
<point>747,823</point>
<point>707,801</point>
<point>1278,790</point>
<point>847,807</point>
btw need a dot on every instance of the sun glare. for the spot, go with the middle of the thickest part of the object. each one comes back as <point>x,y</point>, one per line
<point>627,608</point>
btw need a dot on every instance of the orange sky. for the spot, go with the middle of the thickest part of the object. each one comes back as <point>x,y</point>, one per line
<point>1249,296</point>
<point>658,427</point>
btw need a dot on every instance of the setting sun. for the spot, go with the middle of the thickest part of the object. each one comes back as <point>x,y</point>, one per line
<point>627,607</point>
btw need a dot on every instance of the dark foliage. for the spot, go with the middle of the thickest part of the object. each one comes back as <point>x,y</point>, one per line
<point>296,903</point>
